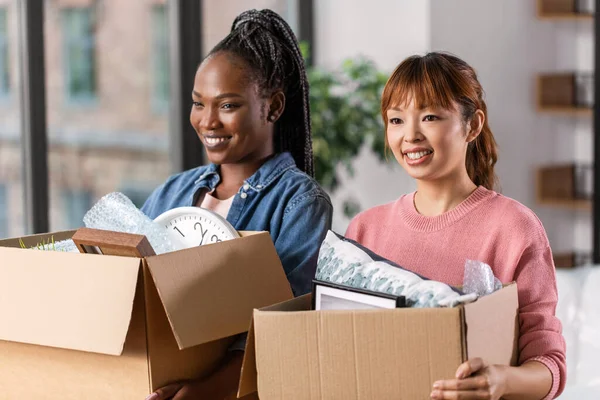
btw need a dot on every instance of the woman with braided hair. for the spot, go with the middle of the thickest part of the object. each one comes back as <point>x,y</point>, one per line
<point>250,110</point>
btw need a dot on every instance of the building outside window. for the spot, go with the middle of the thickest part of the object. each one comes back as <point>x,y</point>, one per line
<point>79,54</point>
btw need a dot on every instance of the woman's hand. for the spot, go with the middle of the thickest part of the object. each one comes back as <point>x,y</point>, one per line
<point>219,386</point>
<point>191,390</point>
<point>474,380</point>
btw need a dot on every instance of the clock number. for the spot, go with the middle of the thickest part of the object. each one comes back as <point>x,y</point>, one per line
<point>215,239</point>
<point>177,229</point>
<point>202,231</point>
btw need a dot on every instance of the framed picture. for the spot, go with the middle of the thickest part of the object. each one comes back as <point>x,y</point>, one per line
<point>330,296</point>
<point>97,241</point>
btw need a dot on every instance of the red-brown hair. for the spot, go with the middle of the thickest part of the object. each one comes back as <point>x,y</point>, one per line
<point>441,80</point>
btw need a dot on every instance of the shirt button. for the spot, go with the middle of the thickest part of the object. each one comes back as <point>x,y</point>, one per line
<point>246,186</point>
<point>259,186</point>
<point>243,195</point>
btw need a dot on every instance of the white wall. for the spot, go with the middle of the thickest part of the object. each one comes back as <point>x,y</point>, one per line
<point>508,45</point>
<point>386,32</point>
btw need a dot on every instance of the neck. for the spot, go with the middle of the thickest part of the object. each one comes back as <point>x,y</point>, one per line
<point>437,197</point>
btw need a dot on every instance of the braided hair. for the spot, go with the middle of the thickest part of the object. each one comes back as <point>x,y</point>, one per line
<point>269,47</point>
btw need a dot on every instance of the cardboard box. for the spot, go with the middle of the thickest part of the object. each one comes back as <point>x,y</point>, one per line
<point>294,354</point>
<point>85,326</point>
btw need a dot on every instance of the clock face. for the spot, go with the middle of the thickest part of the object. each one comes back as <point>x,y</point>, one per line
<point>195,226</point>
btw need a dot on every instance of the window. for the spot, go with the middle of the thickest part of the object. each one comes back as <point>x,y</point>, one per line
<point>76,203</point>
<point>137,195</point>
<point>3,211</point>
<point>160,55</point>
<point>4,62</point>
<point>79,54</point>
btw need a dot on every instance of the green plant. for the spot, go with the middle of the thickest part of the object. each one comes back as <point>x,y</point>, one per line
<point>345,114</point>
<point>48,246</point>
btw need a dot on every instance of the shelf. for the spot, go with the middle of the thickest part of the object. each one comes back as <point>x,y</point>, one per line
<point>567,186</point>
<point>565,93</point>
<point>563,10</point>
<point>565,110</point>
<point>571,259</point>
<point>565,17</point>
<point>583,205</point>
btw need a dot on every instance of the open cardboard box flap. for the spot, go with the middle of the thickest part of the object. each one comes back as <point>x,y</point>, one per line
<point>83,302</point>
<point>249,375</point>
<point>184,278</point>
<point>395,347</point>
<point>80,303</point>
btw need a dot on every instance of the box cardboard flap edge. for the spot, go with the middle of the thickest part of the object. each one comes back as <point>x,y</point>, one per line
<point>248,377</point>
<point>66,300</point>
<point>184,279</point>
<point>477,326</point>
<point>500,326</point>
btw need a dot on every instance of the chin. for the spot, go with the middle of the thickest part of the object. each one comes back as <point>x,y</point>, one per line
<point>415,174</point>
<point>217,158</point>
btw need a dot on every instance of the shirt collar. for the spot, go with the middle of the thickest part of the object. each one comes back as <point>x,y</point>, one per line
<point>268,173</point>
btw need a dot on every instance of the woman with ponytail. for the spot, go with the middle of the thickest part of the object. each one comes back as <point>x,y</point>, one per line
<point>250,109</point>
<point>436,125</point>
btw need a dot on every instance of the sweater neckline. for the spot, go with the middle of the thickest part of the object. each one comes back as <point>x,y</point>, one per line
<point>419,222</point>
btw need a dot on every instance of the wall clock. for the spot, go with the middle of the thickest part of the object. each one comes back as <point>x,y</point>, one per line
<point>195,226</point>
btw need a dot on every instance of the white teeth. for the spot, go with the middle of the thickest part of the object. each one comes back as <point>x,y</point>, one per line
<point>213,141</point>
<point>418,154</point>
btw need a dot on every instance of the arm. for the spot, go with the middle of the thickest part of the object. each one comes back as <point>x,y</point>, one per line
<point>477,380</point>
<point>303,229</point>
<point>221,385</point>
<point>531,380</point>
<point>540,337</point>
<point>542,370</point>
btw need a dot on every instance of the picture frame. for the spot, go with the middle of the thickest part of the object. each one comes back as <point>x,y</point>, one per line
<point>98,241</point>
<point>331,296</point>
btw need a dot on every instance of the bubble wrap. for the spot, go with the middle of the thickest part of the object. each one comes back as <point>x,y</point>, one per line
<point>479,278</point>
<point>62,245</point>
<point>115,212</point>
<point>344,262</point>
<point>66,245</point>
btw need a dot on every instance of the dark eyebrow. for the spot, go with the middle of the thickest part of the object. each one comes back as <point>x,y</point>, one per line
<point>423,107</point>
<point>219,97</point>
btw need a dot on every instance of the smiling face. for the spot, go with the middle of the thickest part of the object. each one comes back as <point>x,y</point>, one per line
<point>429,143</point>
<point>228,112</point>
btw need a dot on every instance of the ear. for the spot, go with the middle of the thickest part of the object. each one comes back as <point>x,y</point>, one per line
<point>276,105</point>
<point>475,125</point>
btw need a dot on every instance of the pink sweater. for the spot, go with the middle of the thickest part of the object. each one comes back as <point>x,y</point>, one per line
<point>486,227</point>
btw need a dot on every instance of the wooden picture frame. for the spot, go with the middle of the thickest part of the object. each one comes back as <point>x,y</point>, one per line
<point>97,241</point>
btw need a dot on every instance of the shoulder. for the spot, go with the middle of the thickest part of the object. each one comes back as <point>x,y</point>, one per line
<point>371,218</point>
<point>514,212</point>
<point>301,188</point>
<point>517,220</point>
<point>374,213</point>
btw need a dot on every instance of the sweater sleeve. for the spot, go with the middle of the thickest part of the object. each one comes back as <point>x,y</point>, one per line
<point>352,230</point>
<point>540,336</point>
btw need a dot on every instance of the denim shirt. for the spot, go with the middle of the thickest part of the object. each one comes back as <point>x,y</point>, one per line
<point>278,198</point>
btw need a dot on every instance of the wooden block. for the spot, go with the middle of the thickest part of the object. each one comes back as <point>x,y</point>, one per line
<point>564,260</point>
<point>565,182</point>
<point>556,90</point>
<point>112,243</point>
<point>549,7</point>
<point>557,182</point>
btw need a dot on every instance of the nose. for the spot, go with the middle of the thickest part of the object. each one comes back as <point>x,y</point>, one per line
<point>413,133</point>
<point>208,119</point>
